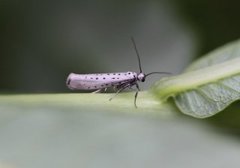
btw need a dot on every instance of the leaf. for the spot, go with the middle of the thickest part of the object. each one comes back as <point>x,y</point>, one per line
<point>208,86</point>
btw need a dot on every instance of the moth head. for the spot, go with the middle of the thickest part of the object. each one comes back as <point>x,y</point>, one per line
<point>141,77</point>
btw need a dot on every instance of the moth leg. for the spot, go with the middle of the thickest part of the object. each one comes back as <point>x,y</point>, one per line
<point>136,94</point>
<point>120,90</point>
<point>115,89</point>
<point>97,91</point>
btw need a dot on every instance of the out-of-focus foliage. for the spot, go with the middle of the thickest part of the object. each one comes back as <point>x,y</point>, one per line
<point>215,21</point>
<point>43,41</point>
<point>71,137</point>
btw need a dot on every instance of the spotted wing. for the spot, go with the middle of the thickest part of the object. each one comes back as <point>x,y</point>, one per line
<point>99,81</point>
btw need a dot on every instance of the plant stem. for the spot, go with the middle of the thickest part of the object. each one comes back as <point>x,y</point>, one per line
<point>146,102</point>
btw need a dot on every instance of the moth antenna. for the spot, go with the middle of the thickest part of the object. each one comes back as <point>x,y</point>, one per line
<point>166,73</point>
<point>139,60</point>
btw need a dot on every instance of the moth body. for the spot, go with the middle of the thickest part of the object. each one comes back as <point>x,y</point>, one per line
<point>100,81</point>
<point>118,80</point>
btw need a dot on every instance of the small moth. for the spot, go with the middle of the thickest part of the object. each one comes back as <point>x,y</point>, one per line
<point>117,80</point>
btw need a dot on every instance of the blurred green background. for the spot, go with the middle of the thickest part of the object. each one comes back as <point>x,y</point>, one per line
<point>43,41</point>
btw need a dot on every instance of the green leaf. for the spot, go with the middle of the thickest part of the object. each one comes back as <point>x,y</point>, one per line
<point>208,86</point>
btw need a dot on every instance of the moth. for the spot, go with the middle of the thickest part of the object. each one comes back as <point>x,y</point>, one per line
<point>117,80</point>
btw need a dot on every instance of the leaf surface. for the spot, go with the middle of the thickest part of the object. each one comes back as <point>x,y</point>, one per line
<point>208,86</point>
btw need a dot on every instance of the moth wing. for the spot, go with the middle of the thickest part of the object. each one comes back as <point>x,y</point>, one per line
<point>98,81</point>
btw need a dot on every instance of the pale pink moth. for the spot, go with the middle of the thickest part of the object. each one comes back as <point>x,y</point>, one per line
<point>117,80</point>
